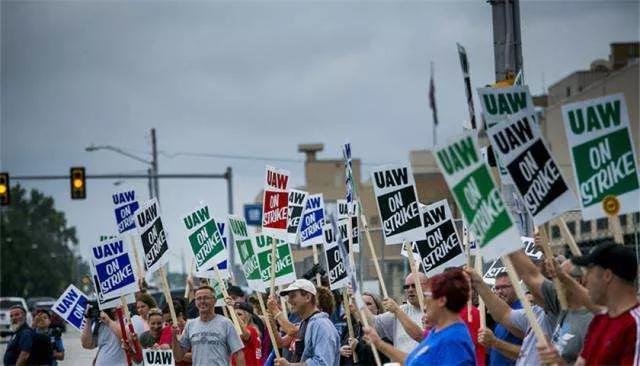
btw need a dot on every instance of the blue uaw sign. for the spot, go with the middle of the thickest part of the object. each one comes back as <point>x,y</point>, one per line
<point>113,268</point>
<point>125,205</point>
<point>71,306</point>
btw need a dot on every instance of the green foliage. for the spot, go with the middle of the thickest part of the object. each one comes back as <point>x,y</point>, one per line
<point>36,256</point>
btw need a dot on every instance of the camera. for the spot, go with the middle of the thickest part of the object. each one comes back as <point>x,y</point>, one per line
<point>93,312</point>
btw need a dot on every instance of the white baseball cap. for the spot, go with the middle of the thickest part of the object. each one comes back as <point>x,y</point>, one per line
<point>299,284</point>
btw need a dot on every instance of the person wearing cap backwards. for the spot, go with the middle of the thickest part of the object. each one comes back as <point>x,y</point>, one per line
<point>612,337</point>
<point>318,340</point>
<point>212,338</point>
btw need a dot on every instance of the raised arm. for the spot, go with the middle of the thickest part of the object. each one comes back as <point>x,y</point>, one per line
<point>413,330</point>
<point>529,273</point>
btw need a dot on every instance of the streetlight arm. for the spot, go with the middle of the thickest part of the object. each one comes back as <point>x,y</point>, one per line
<point>119,151</point>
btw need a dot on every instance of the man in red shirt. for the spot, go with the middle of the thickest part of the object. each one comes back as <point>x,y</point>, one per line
<point>612,337</point>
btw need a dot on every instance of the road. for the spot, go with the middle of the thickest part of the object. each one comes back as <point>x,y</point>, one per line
<point>74,353</point>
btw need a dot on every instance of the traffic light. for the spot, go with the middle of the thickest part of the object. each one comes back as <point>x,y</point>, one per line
<point>4,189</point>
<point>78,184</point>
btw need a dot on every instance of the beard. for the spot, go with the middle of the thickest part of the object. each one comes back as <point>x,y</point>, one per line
<point>16,326</point>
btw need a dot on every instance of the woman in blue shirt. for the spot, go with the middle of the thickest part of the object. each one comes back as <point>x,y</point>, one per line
<point>448,342</point>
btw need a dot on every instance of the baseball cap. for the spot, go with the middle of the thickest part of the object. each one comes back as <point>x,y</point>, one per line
<point>244,306</point>
<point>235,290</point>
<point>620,260</point>
<point>299,284</point>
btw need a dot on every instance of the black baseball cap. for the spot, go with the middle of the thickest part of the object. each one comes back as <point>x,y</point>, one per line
<point>235,290</point>
<point>620,260</point>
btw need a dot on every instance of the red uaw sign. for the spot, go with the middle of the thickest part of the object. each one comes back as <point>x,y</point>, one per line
<point>275,202</point>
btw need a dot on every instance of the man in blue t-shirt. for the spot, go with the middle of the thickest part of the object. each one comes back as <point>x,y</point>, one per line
<point>19,347</point>
<point>504,345</point>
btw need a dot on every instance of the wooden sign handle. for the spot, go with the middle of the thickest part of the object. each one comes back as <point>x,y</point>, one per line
<point>314,247</point>
<point>269,328</point>
<point>414,272</point>
<point>568,237</point>
<point>562,297</point>
<point>365,323</point>
<point>134,249</point>
<point>167,294</point>
<point>187,287</point>
<point>347,313</point>
<point>481,306</point>
<point>616,229</point>
<point>273,266</point>
<point>232,311</point>
<point>374,257</point>
<point>467,249</point>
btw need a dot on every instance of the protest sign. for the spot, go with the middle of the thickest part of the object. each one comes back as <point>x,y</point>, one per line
<point>343,226</point>
<point>125,205</point>
<point>275,202</point>
<point>442,247</point>
<point>71,306</point>
<point>113,268</point>
<point>336,269</point>
<point>342,209</point>
<point>496,267</point>
<point>285,271</point>
<point>152,236</point>
<point>158,357</point>
<point>351,193</point>
<point>204,237</point>
<point>312,221</point>
<point>520,146</point>
<point>479,200</point>
<point>297,200</point>
<point>497,104</point>
<point>397,203</point>
<point>246,248</point>
<point>604,163</point>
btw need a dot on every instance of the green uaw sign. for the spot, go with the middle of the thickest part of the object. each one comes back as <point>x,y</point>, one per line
<point>470,181</point>
<point>246,248</point>
<point>604,163</point>
<point>204,238</point>
<point>497,105</point>
<point>285,271</point>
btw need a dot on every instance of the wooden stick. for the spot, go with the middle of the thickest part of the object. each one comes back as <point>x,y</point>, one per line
<point>533,322</point>
<point>347,313</point>
<point>616,229</point>
<point>481,306</point>
<point>232,312</point>
<point>568,238</point>
<point>225,312</point>
<point>562,297</point>
<point>125,308</point>
<point>365,323</point>
<point>134,249</point>
<point>467,248</point>
<point>269,328</point>
<point>167,294</point>
<point>414,272</point>
<point>374,257</point>
<point>273,266</point>
<point>187,287</point>
<point>316,261</point>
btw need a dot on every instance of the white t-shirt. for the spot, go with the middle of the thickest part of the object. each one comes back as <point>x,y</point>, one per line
<point>139,325</point>
<point>387,325</point>
<point>109,349</point>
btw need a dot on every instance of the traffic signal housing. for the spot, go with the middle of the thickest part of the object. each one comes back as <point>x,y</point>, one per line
<point>4,189</point>
<point>78,183</point>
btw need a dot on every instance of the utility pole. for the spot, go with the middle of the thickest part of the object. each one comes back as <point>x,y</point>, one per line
<point>154,164</point>
<point>507,51</point>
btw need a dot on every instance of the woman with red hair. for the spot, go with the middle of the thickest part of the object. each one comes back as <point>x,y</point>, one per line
<point>448,342</point>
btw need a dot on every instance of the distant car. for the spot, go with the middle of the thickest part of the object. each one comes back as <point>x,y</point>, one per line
<point>5,320</point>
<point>32,300</point>
<point>56,320</point>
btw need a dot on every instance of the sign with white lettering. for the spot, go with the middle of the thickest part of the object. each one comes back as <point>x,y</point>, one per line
<point>442,247</point>
<point>71,306</point>
<point>152,236</point>
<point>312,221</point>
<point>479,200</point>
<point>499,103</point>
<point>520,146</point>
<point>204,237</point>
<point>125,205</point>
<point>297,199</point>
<point>114,268</point>
<point>397,202</point>
<point>275,203</point>
<point>285,271</point>
<point>247,250</point>
<point>336,269</point>
<point>604,163</point>
<point>496,267</point>
<point>158,357</point>
<point>343,227</point>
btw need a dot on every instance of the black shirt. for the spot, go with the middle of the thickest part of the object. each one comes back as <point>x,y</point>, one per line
<point>22,340</point>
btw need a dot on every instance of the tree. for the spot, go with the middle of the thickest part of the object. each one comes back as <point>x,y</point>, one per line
<point>36,256</point>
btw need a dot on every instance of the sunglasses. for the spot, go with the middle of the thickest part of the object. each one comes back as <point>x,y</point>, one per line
<point>406,287</point>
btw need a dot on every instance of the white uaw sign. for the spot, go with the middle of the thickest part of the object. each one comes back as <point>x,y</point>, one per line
<point>152,236</point>
<point>336,269</point>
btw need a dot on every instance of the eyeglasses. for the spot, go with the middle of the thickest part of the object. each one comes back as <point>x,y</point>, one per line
<point>204,298</point>
<point>406,287</point>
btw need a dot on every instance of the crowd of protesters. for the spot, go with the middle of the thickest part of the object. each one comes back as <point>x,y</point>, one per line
<point>600,324</point>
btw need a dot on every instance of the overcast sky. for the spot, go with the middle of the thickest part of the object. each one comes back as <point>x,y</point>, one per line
<point>253,78</point>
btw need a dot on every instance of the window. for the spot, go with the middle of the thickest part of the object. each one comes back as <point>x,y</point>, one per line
<point>572,227</point>
<point>555,232</point>
<point>585,227</point>
<point>602,224</point>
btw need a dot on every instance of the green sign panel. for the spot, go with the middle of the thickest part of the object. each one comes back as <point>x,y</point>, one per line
<point>204,238</point>
<point>285,271</point>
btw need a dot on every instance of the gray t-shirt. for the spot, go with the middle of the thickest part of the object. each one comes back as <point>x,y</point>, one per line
<point>109,348</point>
<point>570,326</point>
<point>528,353</point>
<point>212,342</point>
<point>388,325</point>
